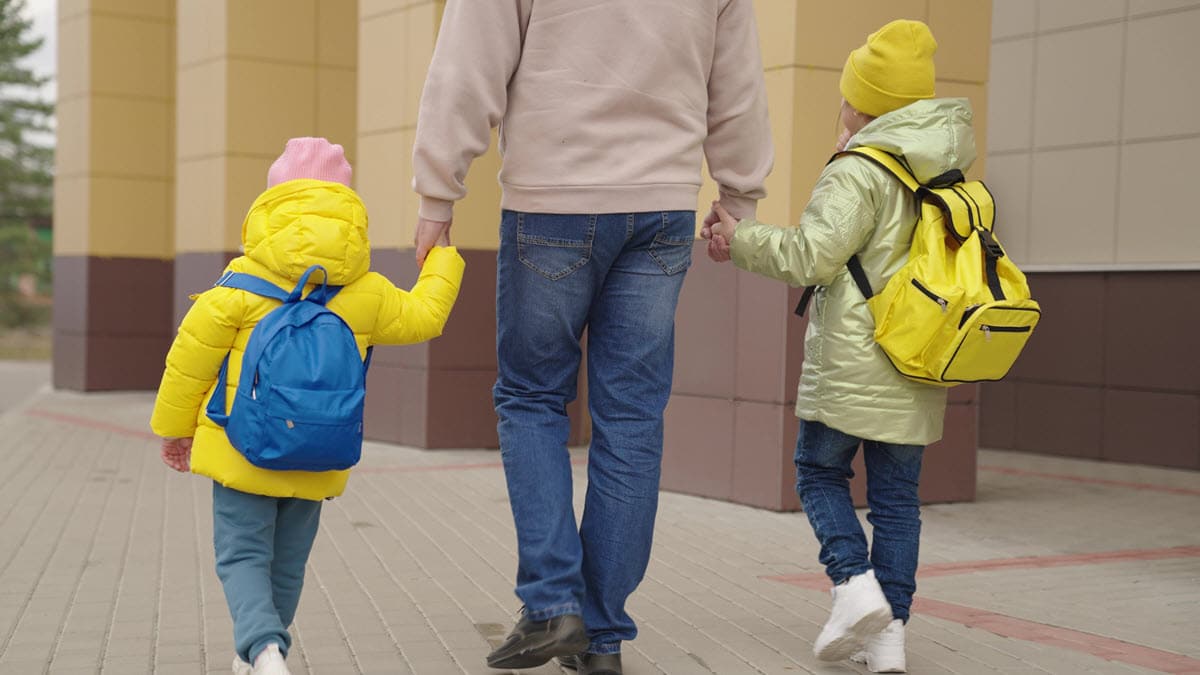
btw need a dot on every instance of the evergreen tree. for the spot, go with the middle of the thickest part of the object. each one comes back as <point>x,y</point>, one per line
<point>26,166</point>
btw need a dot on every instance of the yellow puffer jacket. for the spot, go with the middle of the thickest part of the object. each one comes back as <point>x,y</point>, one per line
<point>290,227</point>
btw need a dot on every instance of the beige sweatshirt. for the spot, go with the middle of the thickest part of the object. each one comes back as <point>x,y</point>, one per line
<point>603,105</point>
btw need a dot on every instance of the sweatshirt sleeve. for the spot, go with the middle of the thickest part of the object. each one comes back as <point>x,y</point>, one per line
<point>409,317</point>
<point>465,96</point>
<point>739,150</point>
<point>204,340</point>
<point>836,224</point>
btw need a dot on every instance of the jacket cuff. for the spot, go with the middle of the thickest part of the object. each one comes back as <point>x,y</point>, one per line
<point>740,207</point>
<point>438,210</point>
<point>444,261</point>
<point>742,248</point>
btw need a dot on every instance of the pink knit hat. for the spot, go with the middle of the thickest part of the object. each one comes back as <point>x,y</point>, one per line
<point>309,157</point>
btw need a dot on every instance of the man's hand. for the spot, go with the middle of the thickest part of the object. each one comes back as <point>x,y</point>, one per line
<point>177,453</point>
<point>430,233</point>
<point>718,246</point>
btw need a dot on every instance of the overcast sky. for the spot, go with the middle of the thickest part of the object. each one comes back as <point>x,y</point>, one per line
<point>44,14</point>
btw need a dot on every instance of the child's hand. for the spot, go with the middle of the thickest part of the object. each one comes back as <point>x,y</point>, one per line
<point>725,226</point>
<point>177,453</point>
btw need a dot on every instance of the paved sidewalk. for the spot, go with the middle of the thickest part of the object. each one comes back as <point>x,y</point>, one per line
<point>106,566</point>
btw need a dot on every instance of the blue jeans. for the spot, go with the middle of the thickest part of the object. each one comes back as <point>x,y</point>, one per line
<point>262,544</point>
<point>823,481</point>
<point>618,276</point>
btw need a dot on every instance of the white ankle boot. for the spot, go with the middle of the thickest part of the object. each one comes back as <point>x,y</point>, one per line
<point>859,611</point>
<point>884,652</point>
<point>270,661</point>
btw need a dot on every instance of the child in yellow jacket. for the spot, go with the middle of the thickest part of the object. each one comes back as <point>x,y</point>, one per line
<point>265,521</point>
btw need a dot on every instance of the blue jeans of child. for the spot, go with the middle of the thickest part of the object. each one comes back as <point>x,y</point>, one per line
<point>262,544</point>
<point>618,276</point>
<point>823,481</point>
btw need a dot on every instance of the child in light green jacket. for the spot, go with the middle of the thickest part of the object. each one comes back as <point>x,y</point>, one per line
<point>849,392</point>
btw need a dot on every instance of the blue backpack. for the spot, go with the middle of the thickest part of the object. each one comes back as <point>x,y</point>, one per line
<point>299,402</point>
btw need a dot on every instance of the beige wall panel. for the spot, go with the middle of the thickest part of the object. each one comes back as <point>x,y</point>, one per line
<point>977,94</point>
<point>1157,220</point>
<point>384,160</point>
<point>201,30</point>
<point>1162,84</point>
<point>1011,95</point>
<point>1013,17</point>
<point>815,120</point>
<point>372,8</point>
<point>131,137</point>
<point>71,203</point>
<point>245,180</point>
<point>129,217</point>
<point>423,22</point>
<point>781,98</point>
<point>1077,95</point>
<point>1073,206</point>
<point>963,31</point>
<point>130,57</point>
<point>826,31</point>
<point>477,216</point>
<point>776,31</point>
<point>381,80</point>
<point>74,65</point>
<point>200,114</point>
<point>155,9</point>
<point>279,30</point>
<point>1137,7</point>
<point>1055,14</point>
<point>268,103</point>
<point>72,8</point>
<point>200,205</point>
<point>1008,181</point>
<point>337,33</point>
<point>336,102</point>
<point>71,156</point>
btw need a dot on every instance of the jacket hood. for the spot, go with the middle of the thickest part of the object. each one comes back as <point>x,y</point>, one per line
<point>933,135</point>
<point>305,222</point>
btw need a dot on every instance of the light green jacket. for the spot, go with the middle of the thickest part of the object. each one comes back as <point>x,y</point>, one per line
<point>847,383</point>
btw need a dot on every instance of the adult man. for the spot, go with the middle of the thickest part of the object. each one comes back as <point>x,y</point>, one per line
<point>605,109</point>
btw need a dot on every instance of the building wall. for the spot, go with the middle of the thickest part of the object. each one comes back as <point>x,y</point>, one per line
<point>1093,129</point>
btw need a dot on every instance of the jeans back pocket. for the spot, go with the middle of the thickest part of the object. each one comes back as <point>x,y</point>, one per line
<point>672,245</point>
<point>555,245</point>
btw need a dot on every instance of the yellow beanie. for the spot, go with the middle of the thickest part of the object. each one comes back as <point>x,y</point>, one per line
<point>893,69</point>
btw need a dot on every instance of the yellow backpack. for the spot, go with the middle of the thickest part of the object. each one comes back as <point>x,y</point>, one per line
<point>959,310</point>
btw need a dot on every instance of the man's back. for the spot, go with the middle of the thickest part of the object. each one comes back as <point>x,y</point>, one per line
<point>600,105</point>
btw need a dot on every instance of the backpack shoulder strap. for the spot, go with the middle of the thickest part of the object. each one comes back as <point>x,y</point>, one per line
<point>885,160</point>
<point>253,284</point>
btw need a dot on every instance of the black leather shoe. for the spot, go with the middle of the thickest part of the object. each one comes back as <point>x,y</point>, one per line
<point>592,664</point>
<point>532,643</point>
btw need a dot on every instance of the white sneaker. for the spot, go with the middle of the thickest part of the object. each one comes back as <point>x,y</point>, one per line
<point>859,611</point>
<point>270,662</point>
<point>240,667</point>
<point>884,652</point>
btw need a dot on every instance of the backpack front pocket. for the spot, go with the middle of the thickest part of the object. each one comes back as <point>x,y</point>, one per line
<point>915,323</point>
<point>990,341</point>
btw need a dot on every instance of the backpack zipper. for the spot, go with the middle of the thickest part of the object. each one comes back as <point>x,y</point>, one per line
<point>987,330</point>
<point>942,302</point>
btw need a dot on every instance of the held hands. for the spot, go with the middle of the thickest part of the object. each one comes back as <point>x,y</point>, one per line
<point>718,230</point>
<point>177,453</point>
<point>430,233</point>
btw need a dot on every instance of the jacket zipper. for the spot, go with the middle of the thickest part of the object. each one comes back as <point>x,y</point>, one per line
<point>988,330</point>
<point>942,302</point>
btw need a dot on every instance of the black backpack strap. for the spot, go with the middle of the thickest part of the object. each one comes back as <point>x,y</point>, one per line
<point>860,276</point>
<point>805,298</point>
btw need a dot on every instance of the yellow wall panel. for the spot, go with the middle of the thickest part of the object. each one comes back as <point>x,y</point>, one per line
<point>781,101</point>
<point>267,104</point>
<point>154,9</point>
<point>131,137</point>
<point>130,57</point>
<point>129,217</point>
<point>245,180</point>
<point>963,31</point>
<point>337,33</point>
<point>826,32</point>
<point>477,217</point>
<point>279,30</point>
<point>200,115</point>
<point>423,22</point>
<point>336,101</point>
<point>776,31</point>
<point>816,121</point>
